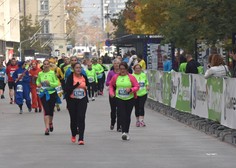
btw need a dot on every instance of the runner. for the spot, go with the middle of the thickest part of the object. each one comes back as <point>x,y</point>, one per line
<point>103,79</point>
<point>3,78</point>
<point>92,81</point>
<point>22,90</point>
<point>112,100</point>
<point>99,71</point>
<point>142,95</point>
<point>36,103</point>
<point>124,86</point>
<point>76,98</point>
<point>47,82</point>
<point>11,68</point>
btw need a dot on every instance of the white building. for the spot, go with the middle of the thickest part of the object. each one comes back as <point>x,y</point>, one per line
<point>51,15</point>
<point>110,7</point>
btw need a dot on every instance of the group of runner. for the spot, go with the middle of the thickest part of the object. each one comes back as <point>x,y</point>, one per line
<point>77,83</point>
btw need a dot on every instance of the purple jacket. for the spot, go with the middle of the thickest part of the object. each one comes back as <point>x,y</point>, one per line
<point>110,74</point>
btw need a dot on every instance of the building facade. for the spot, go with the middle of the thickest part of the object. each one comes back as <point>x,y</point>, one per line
<point>9,27</point>
<point>109,8</point>
<point>51,16</point>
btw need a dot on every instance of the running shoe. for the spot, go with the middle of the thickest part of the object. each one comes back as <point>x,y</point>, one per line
<point>137,123</point>
<point>35,110</point>
<point>111,127</point>
<point>47,131</point>
<point>2,97</point>
<point>40,110</point>
<point>93,99</point>
<point>73,139</point>
<point>51,127</point>
<point>125,136</point>
<point>81,142</point>
<point>21,111</point>
<point>142,124</point>
<point>29,109</point>
<point>11,102</point>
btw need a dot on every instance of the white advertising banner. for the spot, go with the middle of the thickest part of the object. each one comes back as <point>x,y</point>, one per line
<point>175,83</point>
<point>228,115</point>
<point>199,96</point>
<point>159,86</point>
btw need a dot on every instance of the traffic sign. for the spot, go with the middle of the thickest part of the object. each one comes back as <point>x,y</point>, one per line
<point>108,43</point>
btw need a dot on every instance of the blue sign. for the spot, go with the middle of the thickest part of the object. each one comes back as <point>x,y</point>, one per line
<point>108,43</point>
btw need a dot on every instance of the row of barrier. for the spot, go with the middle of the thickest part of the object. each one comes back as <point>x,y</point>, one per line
<point>213,98</point>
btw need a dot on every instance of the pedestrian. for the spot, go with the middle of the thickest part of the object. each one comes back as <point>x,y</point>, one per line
<point>11,68</point>
<point>22,90</point>
<point>124,86</point>
<point>99,71</point>
<point>217,67</point>
<point>92,81</point>
<point>77,99</point>
<point>33,72</point>
<point>3,78</point>
<point>112,100</point>
<point>47,82</point>
<point>141,95</point>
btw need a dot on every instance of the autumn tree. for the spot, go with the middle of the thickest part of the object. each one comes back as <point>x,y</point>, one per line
<point>73,9</point>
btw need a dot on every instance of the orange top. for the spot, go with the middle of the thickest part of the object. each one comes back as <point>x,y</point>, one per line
<point>80,91</point>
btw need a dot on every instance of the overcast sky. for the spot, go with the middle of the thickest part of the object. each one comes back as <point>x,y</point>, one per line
<point>91,8</point>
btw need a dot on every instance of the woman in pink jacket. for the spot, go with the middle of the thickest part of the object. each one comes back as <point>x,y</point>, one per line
<point>123,87</point>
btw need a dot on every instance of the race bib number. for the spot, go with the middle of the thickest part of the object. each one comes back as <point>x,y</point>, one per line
<point>142,85</point>
<point>79,93</point>
<point>33,80</point>
<point>45,85</point>
<point>38,90</point>
<point>100,76</point>
<point>11,73</point>
<point>2,75</point>
<point>19,88</point>
<point>20,77</point>
<point>90,80</point>
<point>59,89</point>
<point>123,93</point>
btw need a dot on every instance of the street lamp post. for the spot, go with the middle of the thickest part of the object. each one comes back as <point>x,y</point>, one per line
<point>20,47</point>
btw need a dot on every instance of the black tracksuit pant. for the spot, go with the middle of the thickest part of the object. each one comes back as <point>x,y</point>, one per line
<point>77,109</point>
<point>124,109</point>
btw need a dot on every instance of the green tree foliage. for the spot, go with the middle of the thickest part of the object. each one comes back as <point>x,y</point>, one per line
<point>184,21</point>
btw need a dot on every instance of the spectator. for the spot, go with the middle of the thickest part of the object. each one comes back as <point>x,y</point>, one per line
<point>167,64</point>
<point>217,67</point>
<point>192,65</point>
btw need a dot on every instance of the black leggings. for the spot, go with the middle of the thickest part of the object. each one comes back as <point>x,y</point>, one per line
<point>114,113</point>
<point>77,109</point>
<point>49,105</point>
<point>91,88</point>
<point>124,109</point>
<point>139,105</point>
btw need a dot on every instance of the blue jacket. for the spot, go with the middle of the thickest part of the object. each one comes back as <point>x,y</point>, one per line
<point>167,66</point>
<point>2,74</point>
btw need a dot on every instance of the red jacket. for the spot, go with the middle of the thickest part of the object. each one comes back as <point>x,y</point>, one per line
<point>34,75</point>
<point>10,70</point>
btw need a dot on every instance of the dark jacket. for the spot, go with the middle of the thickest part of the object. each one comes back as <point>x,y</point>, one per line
<point>69,87</point>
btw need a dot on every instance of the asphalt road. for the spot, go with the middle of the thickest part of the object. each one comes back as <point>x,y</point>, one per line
<point>163,143</point>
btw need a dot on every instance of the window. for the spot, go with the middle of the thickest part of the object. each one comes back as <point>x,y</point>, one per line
<point>45,26</point>
<point>44,5</point>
